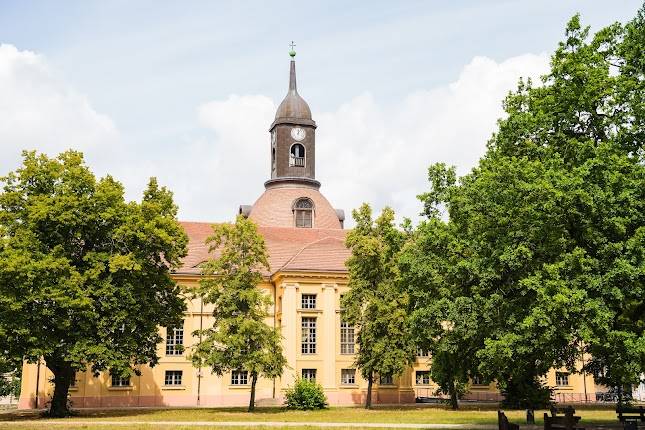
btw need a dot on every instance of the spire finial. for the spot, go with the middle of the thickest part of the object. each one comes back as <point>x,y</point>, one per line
<point>292,53</point>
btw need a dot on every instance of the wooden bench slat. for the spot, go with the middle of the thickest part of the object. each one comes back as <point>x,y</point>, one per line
<point>631,414</point>
<point>566,422</point>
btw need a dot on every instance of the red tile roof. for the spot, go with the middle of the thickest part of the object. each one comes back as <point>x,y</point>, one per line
<point>290,248</point>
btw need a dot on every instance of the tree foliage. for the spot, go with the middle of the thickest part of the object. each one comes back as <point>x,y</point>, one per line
<point>435,269</point>
<point>546,235</point>
<point>240,338</point>
<point>10,371</point>
<point>570,156</point>
<point>84,276</point>
<point>375,303</point>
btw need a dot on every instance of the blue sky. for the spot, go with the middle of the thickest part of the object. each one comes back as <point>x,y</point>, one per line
<point>168,83</point>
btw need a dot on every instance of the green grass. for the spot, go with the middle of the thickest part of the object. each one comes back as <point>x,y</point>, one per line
<point>432,414</point>
<point>18,426</point>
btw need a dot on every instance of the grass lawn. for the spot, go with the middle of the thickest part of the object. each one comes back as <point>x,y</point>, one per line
<point>433,414</point>
<point>151,426</point>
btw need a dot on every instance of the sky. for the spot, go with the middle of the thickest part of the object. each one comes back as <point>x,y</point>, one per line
<point>185,91</point>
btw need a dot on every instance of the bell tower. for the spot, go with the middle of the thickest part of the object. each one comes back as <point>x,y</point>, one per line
<point>292,196</point>
<point>293,138</point>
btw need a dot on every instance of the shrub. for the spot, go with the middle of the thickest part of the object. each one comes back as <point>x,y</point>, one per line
<point>305,395</point>
<point>530,393</point>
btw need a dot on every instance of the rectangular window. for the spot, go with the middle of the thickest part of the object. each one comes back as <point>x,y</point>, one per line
<point>308,301</point>
<point>346,338</point>
<point>478,380</point>
<point>308,336</point>
<point>304,218</point>
<point>119,381</point>
<point>348,376</point>
<point>239,377</point>
<point>423,377</point>
<point>175,340</point>
<point>421,352</point>
<point>561,378</point>
<point>386,380</point>
<point>173,377</point>
<point>73,383</point>
<point>309,374</point>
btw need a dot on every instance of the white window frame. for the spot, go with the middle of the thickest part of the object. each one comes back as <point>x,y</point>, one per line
<point>175,338</point>
<point>173,378</point>
<point>308,301</point>
<point>299,213</point>
<point>292,157</point>
<point>119,381</point>
<point>309,374</point>
<point>423,376</point>
<point>348,376</point>
<point>239,377</point>
<point>562,379</point>
<point>347,338</point>
<point>308,335</point>
<point>478,380</point>
<point>386,380</point>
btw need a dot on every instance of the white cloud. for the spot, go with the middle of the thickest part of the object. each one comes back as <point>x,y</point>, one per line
<point>367,150</point>
<point>39,111</point>
<point>380,154</point>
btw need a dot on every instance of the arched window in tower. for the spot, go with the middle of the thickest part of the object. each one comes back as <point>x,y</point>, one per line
<point>273,158</point>
<point>297,155</point>
<point>303,213</point>
<point>273,142</point>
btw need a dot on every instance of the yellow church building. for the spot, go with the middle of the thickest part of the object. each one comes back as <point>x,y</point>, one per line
<point>305,238</point>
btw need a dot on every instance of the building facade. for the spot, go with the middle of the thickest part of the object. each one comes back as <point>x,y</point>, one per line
<point>305,238</point>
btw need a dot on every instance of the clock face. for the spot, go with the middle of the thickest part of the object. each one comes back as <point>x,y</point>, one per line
<point>298,133</point>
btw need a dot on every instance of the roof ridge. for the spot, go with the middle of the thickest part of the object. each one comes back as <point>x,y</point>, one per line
<point>303,248</point>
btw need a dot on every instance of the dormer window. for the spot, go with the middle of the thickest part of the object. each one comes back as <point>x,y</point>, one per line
<point>303,213</point>
<point>297,155</point>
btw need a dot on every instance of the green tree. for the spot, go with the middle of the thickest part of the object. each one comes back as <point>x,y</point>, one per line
<point>240,338</point>
<point>553,218</point>
<point>10,371</point>
<point>375,304</point>
<point>434,267</point>
<point>84,276</point>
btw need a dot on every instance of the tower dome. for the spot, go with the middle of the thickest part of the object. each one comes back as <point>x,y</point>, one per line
<point>293,109</point>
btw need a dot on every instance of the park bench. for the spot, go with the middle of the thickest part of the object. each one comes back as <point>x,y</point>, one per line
<point>504,424</point>
<point>568,421</point>
<point>632,418</point>
<point>562,411</point>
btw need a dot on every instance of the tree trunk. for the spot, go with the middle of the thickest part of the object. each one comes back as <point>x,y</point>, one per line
<point>63,374</point>
<point>254,380</point>
<point>368,401</point>
<point>454,403</point>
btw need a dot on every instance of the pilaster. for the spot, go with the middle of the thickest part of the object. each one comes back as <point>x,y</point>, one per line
<point>329,340</point>
<point>289,328</point>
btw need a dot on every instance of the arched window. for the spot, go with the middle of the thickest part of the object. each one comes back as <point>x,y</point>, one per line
<point>273,158</point>
<point>303,213</point>
<point>297,155</point>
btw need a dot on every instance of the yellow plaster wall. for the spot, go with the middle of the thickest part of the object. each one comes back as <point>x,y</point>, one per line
<point>148,389</point>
